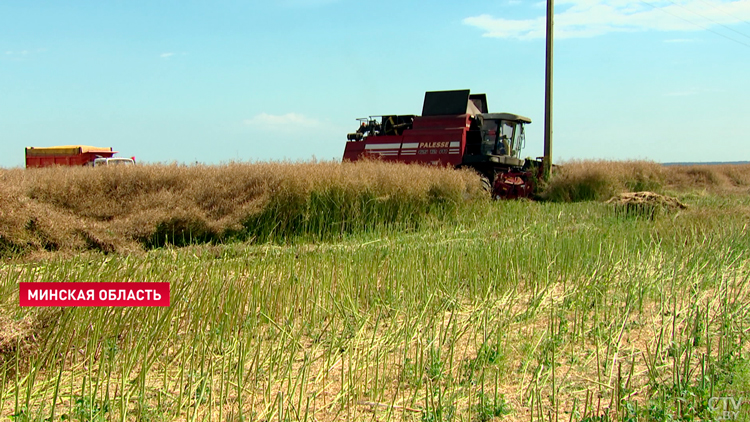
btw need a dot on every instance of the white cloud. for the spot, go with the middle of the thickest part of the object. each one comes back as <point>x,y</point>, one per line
<point>166,55</point>
<point>589,18</point>
<point>285,122</point>
<point>21,55</point>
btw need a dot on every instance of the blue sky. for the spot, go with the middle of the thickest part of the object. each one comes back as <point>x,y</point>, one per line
<point>247,80</point>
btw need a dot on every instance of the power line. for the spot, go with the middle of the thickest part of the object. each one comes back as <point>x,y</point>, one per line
<point>706,17</point>
<point>696,24</point>
<point>724,11</point>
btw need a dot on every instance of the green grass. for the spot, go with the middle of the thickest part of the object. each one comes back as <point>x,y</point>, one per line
<point>506,310</point>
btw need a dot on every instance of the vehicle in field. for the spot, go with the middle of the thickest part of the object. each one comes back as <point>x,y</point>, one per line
<point>113,161</point>
<point>74,155</point>
<point>455,129</point>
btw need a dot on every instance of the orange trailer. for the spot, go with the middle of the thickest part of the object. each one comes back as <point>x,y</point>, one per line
<point>66,155</point>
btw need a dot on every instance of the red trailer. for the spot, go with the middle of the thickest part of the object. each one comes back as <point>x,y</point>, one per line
<point>455,129</point>
<point>67,155</point>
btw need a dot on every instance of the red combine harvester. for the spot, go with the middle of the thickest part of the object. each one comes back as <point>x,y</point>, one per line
<point>455,130</point>
<point>73,155</point>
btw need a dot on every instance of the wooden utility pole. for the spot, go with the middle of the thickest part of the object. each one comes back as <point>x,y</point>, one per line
<point>548,92</point>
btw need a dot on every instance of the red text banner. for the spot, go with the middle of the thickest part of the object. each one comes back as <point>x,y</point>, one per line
<point>94,294</point>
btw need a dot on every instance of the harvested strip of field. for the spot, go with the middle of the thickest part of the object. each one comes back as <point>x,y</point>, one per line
<point>125,209</point>
<point>523,310</point>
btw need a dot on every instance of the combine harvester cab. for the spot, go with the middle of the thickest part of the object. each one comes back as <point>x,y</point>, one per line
<point>455,129</point>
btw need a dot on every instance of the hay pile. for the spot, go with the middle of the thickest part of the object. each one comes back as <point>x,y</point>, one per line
<point>644,204</point>
<point>647,199</point>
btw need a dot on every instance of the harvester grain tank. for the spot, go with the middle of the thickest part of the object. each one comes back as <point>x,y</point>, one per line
<point>455,129</point>
<point>74,155</point>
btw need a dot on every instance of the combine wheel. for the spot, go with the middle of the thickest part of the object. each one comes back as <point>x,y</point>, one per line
<point>486,184</point>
